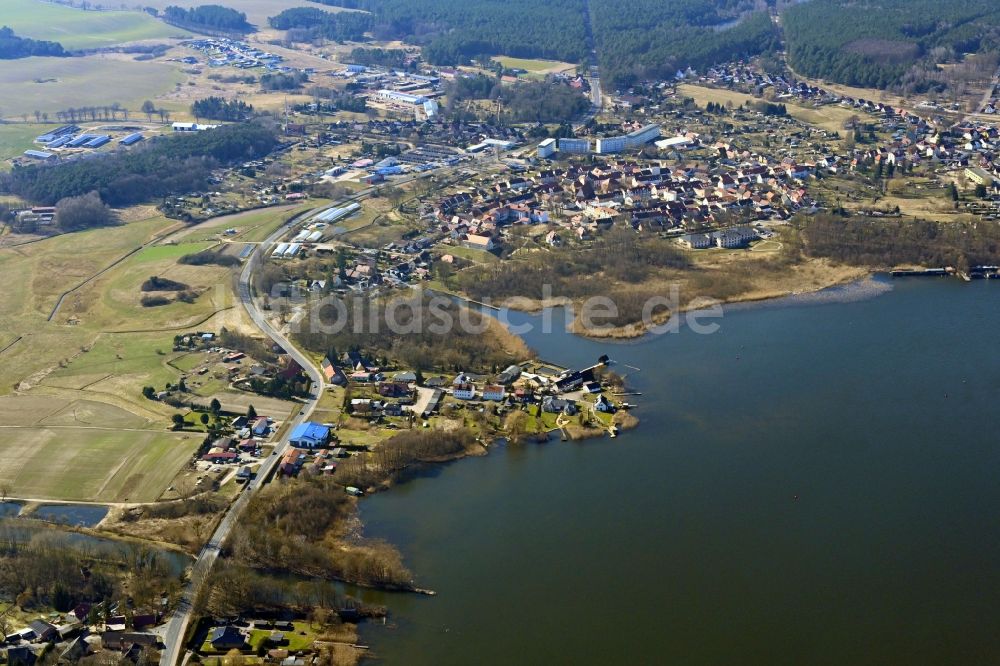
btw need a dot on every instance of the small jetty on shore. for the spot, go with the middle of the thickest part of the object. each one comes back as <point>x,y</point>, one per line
<point>974,272</point>
<point>984,273</point>
<point>923,272</point>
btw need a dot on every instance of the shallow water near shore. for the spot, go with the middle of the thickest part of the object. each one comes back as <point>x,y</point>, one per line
<point>814,483</point>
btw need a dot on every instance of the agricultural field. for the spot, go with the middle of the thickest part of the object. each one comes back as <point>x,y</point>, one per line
<point>70,386</point>
<point>78,449</point>
<point>79,29</point>
<point>55,84</point>
<point>92,464</point>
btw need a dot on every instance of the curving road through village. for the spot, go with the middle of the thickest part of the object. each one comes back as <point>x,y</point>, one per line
<point>178,624</point>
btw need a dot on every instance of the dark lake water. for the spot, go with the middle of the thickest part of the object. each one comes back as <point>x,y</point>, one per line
<point>813,484</point>
<point>80,515</point>
<point>9,509</point>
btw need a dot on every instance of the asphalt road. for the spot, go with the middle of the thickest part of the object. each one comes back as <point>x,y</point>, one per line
<point>177,625</point>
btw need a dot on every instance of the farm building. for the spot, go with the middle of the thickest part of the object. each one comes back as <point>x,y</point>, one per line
<point>39,155</point>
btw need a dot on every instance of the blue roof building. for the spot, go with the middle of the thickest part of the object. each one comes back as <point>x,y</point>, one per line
<point>309,435</point>
<point>97,141</point>
<point>38,155</point>
<point>131,138</point>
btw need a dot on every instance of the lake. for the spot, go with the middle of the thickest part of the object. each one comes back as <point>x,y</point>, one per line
<point>80,515</point>
<point>9,509</point>
<point>815,483</point>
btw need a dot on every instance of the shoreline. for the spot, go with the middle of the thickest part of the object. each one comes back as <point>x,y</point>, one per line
<point>636,330</point>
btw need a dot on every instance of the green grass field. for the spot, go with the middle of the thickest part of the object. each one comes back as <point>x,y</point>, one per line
<point>88,464</point>
<point>301,638</point>
<point>535,66</point>
<point>79,29</point>
<point>169,251</point>
<point>16,138</point>
<point>472,254</point>
<point>251,226</point>
<point>56,84</point>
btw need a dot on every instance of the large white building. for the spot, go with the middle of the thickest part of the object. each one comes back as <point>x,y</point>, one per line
<point>574,146</point>
<point>643,135</point>
<point>396,97</point>
<point>430,108</point>
<point>191,127</point>
<point>635,139</point>
<point>546,148</point>
<point>610,144</point>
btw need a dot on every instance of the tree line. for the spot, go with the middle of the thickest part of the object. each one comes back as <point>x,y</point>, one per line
<point>84,212</point>
<point>306,24</point>
<point>214,17</point>
<point>634,40</point>
<point>13,47</point>
<point>393,457</point>
<point>41,568</point>
<point>283,80</point>
<point>162,167</point>
<point>620,265</point>
<point>388,58</point>
<point>619,255</point>
<point>274,536</point>
<point>219,108</point>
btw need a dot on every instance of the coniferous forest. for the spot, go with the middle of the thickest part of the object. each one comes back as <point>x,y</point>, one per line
<point>633,40</point>
<point>862,45</point>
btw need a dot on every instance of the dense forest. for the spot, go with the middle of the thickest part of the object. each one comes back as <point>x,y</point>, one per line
<point>620,265</point>
<point>653,39</point>
<point>305,24</point>
<point>164,166</point>
<point>529,101</point>
<point>392,58</point>
<point>13,47</point>
<point>634,40</point>
<point>885,243</point>
<point>273,537</point>
<point>219,108</point>
<point>620,255</point>
<point>454,32</point>
<point>213,17</point>
<point>283,81</point>
<point>429,345</point>
<point>851,43</point>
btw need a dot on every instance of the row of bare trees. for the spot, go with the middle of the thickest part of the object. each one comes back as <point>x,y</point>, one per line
<point>109,112</point>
